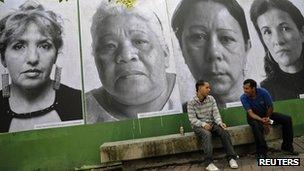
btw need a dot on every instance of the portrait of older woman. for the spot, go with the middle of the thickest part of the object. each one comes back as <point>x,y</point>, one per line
<point>280,26</point>
<point>30,40</point>
<point>214,40</point>
<point>131,57</point>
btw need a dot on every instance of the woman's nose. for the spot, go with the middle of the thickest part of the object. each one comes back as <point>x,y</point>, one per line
<point>32,56</point>
<point>278,38</point>
<point>214,50</point>
<point>127,52</point>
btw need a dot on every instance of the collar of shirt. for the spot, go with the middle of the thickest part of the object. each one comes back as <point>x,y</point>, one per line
<point>198,100</point>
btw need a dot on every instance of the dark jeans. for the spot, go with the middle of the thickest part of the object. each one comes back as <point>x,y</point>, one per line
<point>206,140</point>
<point>259,135</point>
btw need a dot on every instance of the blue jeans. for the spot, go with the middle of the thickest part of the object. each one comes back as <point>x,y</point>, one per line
<point>206,140</point>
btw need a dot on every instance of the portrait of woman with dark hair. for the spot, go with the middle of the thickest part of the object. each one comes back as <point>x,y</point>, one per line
<point>30,41</point>
<point>214,40</point>
<point>280,26</point>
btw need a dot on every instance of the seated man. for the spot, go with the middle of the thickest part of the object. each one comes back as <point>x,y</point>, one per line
<point>206,120</point>
<point>258,104</point>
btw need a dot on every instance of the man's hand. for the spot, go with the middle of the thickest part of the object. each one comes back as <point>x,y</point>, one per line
<point>223,125</point>
<point>208,127</point>
<point>265,120</point>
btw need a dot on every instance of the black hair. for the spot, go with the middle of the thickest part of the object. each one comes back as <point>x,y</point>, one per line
<point>199,83</point>
<point>184,8</point>
<point>251,82</point>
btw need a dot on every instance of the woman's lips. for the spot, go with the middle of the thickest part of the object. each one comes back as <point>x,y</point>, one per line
<point>32,73</point>
<point>282,51</point>
<point>129,74</point>
<point>217,75</point>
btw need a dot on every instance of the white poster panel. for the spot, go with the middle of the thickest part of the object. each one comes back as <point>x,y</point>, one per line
<point>129,69</point>
<point>226,59</point>
<point>41,63</point>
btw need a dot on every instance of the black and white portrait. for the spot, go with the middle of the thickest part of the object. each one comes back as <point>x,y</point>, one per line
<point>39,51</point>
<point>280,26</point>
<point>216,40</point>
<point>132,59</point>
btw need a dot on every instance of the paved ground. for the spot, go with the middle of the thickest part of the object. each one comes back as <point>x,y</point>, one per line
<point>193,161</point>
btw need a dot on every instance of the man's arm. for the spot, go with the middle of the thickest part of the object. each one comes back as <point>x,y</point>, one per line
<point>216,113</point>
<point>268,102</point>
<point>254,116</point>
<point>269,111</point>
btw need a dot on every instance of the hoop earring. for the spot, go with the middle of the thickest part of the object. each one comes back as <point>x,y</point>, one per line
<point>5,84</point>
<point>57,78</point>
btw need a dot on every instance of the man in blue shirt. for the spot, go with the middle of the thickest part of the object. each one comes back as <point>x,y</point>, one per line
<point>258,104</point>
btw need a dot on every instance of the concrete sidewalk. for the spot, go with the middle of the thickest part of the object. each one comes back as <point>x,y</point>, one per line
<point>194,161</point>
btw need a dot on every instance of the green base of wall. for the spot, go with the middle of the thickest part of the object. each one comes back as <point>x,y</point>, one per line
<point>70,147</point>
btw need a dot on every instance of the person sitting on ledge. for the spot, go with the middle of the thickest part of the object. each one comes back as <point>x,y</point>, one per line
<point>258,104</point>
<point>206,120</point>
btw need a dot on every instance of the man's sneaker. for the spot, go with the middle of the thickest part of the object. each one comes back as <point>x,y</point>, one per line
<point>211,167</point>
<point>233,164</point>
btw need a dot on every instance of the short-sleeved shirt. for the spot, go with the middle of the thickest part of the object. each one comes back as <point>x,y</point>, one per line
<point>260,104</point>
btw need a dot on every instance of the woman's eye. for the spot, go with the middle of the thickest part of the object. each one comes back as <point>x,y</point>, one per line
<point>198,37</point>
<point>266,32</point>
<point>45,46</point>
<point>18,46</point>
<point>226,40</point>
<point>284,28</point>
<point>140,42</point>
<point>110,46</point>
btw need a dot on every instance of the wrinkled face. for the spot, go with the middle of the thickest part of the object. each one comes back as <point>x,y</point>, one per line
<point>29,58</point>
<point>213,46</point>
<point>281,36</point>
<point>204,89</point>
<point>130,60</point>
<point>249,91</point>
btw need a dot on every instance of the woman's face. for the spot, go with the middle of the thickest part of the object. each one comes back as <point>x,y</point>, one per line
<point>213,46</point>
<point>130,60</point>
<point>29,58</point>
<point>281,36</point>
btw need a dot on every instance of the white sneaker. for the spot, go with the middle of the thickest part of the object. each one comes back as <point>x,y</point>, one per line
<point>211,167</point>
<point>233,164</point>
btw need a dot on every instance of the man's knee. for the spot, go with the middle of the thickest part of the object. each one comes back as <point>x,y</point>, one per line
<point>203,133</point>
<point>254,124</point>
<point>288,119</point>
<point>225,134</point>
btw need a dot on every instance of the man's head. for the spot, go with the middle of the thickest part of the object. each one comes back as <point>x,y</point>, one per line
<point>249,87</point>
<point>202,88</point>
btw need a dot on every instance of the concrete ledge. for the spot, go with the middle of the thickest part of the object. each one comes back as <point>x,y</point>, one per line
<point>173,144</point>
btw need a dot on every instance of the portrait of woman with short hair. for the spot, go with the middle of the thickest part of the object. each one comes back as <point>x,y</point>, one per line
<point>131,56</point>
<point>30,43</point>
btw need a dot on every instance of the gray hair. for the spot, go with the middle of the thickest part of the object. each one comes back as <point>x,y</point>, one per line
<point>107,9</point>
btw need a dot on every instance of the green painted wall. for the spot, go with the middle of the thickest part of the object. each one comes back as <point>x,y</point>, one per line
<point>70,147</point>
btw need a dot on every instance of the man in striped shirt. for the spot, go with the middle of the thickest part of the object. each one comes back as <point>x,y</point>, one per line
<point>206,120</point>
